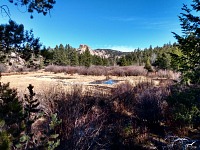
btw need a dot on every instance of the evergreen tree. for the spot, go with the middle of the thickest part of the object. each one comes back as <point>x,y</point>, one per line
<point>96,60</point>
<point>148,66</point>
<point>122,61</point>
<point>87,58</point>
<point>74,58</point>
<point>163,61</point>
<point>60,55</point>
<point>47,54</point>
<point>68,50</point>
<point>174,63</point>
<point>11,117</point>
<point>13,37</point>
<point>189,64</point>
<point>31,111</point>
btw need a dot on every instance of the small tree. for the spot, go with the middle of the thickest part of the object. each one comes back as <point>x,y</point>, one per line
<point>148,66</point>
<point>11,116</point>
<point>32,112</point>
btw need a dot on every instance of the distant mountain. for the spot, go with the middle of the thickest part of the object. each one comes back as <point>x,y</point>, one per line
<point>106,53</point>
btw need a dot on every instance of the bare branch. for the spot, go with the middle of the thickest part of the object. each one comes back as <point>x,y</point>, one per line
<point>5,10</point>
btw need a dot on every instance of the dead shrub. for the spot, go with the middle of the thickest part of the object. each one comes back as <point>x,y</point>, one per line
<point>96,70</point>
<point>117,71</point>
<point>151,104</point>
<point>71,70</point>
<point>90,120</point>
<point>55,69</point>
<point>135,71</point>
<point>83,117</point>
<point>124,96</point>
<point>82,70</point>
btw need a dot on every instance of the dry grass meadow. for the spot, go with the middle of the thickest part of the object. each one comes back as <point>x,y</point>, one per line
<point>42,80</point>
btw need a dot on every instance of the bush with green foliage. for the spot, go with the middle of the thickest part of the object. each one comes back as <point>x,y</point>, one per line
<point>184,105</point>
<point>17,119</point>
<point>11,114</point>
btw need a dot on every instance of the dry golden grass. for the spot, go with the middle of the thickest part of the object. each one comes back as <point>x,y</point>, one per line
<point>43,80</point>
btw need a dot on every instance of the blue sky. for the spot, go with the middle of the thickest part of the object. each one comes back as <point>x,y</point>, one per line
<point>117,24</point>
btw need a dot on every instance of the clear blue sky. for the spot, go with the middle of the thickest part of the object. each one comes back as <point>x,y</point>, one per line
<point>116,24</point>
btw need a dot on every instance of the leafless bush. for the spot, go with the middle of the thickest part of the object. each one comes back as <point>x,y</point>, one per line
<point>90,120</point>
<point>117,71</point>
<point>150,105</point>
<point>83,117</point>
<point>165,74</point>
<point>124,97</point>
<point>97,70</point>
<point>135,71</point>
<point>114,71</point>
<point>55,69</point>
<point>82,70</point>
<point>71,70</point>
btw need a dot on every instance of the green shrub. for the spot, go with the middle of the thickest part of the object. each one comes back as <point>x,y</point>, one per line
<point>184,105</point>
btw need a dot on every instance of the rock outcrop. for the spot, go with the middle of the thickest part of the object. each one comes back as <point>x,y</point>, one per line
<point>105,53</point>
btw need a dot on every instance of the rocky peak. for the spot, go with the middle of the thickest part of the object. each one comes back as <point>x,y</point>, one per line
<point>104,53</point>
<point>82,48</point>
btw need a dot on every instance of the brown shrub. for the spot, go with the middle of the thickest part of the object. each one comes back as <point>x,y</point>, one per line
<point>135,71</point>
<point>55,69</point>
<point>117,71</point>
<point>97,70</point>
<point>150,105</point>
<point>90,120</point>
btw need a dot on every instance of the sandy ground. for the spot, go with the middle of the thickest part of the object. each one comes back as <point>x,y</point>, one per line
<point>43,80</point>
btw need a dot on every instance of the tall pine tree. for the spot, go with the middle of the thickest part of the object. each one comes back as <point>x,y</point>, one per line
<point>189,44</point>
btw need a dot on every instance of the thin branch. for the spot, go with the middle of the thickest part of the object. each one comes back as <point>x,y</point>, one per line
<point>6,10</point>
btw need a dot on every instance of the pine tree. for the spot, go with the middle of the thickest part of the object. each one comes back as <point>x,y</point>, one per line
<point>122,61</point>
<point>60,55</point>
<point>148,65</point>
<point>11,116</point>
<point>163,61</point>
<point>87,58</point>
<point>74,58</point>
<point>31,112</point>
<point>189,64</point>
<point>97,60</point>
